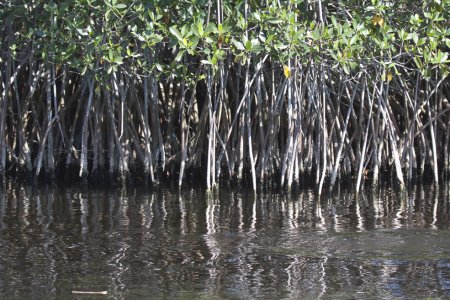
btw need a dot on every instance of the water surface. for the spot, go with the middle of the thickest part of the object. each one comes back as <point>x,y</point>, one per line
<point>166,244</point>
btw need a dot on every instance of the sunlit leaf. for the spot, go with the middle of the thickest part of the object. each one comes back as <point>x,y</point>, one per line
<point>238,45</point>
<point>200,28</point>
<point>275,21</point>
<point>179,55</point>
<point>257,16</point>
<point>176,33</point>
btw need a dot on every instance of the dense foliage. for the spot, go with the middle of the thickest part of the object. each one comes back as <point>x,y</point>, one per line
<point>269,89</point>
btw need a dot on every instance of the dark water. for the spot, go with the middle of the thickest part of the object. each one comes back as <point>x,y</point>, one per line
<point>163,244</point>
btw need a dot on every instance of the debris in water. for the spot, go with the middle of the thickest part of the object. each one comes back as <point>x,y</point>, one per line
<point>89,293</point>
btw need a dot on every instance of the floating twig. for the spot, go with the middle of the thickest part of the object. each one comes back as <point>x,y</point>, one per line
<point>89,292</point>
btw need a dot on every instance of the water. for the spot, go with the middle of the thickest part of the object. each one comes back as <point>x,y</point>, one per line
<point>165,244</point>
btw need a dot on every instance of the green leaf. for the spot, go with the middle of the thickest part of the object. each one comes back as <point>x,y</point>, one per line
<point>184,43</point>
<point>200,28</point>
<point>174,31</point>
<point>118,60</point>
<point>82,32</point>
<point>220,54</point>
<point>444,71</point>
<point>275,21</point>
<point>402,34</point>
<point>120,6</point>
<point>444,58</point>
<point>254,42</point>
<point>211,28</point>
<point>255,46</point>
<point>248,45</point>
<point>418,62</point>
<point>333,21</point>
<point>421,41</point>
<point>180,55</point>
<point>238,45</point>
<point>414,36</point>
<point>257,16</point>
<point>257,49</point>
<point>365,32</point>
<point>440,58</point>
<point>214,60</point>
<point>315,35</point>
<point>41,34</point>
<point>346,69</point>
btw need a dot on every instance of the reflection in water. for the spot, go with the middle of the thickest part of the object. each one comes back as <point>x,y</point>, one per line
<point>143,244</point>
